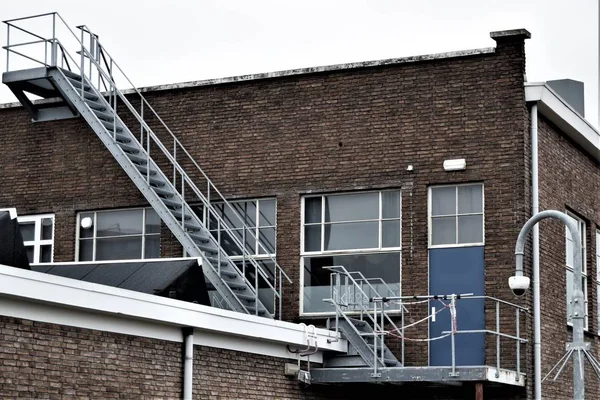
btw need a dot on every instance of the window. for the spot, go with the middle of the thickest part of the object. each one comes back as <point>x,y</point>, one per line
<point>38,237</point>
<point>569,263</point>
<point>118,235</point>
<point>259,217</point>
<point>456,215</point>
<point>360,231</point>
<point>598,274</point>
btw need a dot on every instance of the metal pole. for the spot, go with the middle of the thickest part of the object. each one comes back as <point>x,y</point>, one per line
<point>518,344</point>
<point>453,373</point>
<point>497,340</point>
<point>375,339</point>
<point>7,44</point>
<point>535,208</point>
<point>577,296</point>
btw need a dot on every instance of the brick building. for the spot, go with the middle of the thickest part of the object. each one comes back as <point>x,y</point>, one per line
<point>417,171</point>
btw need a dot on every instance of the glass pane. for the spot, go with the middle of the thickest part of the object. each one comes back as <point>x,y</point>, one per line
<point>312,238</point>
<point>390,204</point>
<point>89,232</point>
<point>119,248</point>
<point>47,229</point>
<point>470,199</point>
<point>46,253</point>
<point>29,251</point>
<point>229,215</point>
<point>267,239</point>
<point>352,207</point>
<point>443,230</point>
<point>228,243</point>
<point>372,266</point>
<point>266,209</point>
<point>312,210</point>
<point>118,223</point>
<point>152,221</point>
<point>86,250</point>
<point>570,256</point>
<point>470,229</point>
<point>443,200</point>
<point>246,210</point>
<point>152,249</point>
<point>390,233</point>
<point>356,235</point>
<point>27,230</point>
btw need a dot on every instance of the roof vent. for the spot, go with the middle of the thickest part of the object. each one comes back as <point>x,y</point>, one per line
<point>571,92</point>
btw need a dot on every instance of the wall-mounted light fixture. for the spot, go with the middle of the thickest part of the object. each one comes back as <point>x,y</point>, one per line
<point>458,164</point>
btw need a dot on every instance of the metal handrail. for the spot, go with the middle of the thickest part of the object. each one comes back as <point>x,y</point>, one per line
<point>112,66</point>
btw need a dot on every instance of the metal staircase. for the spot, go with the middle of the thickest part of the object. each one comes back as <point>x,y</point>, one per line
<point>88,88</point>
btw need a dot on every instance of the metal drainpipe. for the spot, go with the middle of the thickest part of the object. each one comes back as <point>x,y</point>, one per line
<point>535,208</point>
<point>188,367</point>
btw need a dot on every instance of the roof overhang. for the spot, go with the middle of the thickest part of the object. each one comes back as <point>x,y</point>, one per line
<point>553,107</point>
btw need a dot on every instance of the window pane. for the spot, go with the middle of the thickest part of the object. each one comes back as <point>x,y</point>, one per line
<point>267,239</point>
<point>470,229</point>
<point>152,221</point>
<point>246,210</point>
<point>27,230</point>
<point>266,209</point>
<point>317,279</point>
<point>570,256</point>
<point>86,250</point>
<point>118,223</point>
<point>228,244</point>
<point>390,204</point>
<point>470,199</point>
<point>229,215</point>
<point>443,230</point>
<point>352,207</point>
<point>46,228</point>
<point>152,249</point>
<point>89,232</point>
<point>312,210</point>
<point>312,238</point>
<point>46,253</point>
<point>29,251</point>
<point>119,248</point>
<point>357,235</point>
<point>443,200</point>
<point>390,233</point>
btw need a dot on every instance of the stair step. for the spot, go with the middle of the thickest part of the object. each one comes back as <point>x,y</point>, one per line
<point>70,74</point>
<point>228,273</point>
<point>89,96</point>
<point>235,285</point>
<point>390,362</point>
<point>247,297</point>
<point>207,247</point>
<point>358,322</point>
<point>129,148</point>
<point>213,260</point>
<point>95,105</point>
<point>109,125</point>
<point>144,168</point>
<point>163,192</point>
<point>173,203</point>
<point>190,226</point>
<point>198,238</point>
<point>77,83</point>
<point>178,214</point>
<point>140,159</point>
<point>252,310</point>
<point>104,115</point>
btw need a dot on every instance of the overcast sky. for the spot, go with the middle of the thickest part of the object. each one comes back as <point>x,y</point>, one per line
<point>159,42</point>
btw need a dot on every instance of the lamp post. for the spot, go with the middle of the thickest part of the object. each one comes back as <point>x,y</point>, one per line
<point>578,348</point>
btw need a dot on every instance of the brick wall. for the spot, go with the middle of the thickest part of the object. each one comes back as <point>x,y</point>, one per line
<point>316,133</point>
<point>569,180</point>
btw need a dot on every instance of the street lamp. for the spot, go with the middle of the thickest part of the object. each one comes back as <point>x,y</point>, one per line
<point>578,348</point>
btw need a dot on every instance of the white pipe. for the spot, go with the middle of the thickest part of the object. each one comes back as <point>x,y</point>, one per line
<point>188,367</point>
<point>535,208</point>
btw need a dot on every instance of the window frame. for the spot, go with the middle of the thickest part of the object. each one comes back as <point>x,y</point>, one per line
<point>430,217</point>
<point>37,241</point>
<point>346,252</point>
<point>569,268</point>
<point>94,237</point>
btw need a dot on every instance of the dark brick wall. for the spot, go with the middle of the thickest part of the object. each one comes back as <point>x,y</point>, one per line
<point>286,137</point>
<point>569,180</point>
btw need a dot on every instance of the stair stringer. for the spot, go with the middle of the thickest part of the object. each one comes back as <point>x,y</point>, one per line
<point>71,95</point>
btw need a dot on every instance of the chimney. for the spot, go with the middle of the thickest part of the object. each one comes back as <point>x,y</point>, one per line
<point>571,92</point>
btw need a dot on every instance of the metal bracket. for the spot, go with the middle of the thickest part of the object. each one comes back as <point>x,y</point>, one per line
<point>573,346</point>
<point>376,375</point>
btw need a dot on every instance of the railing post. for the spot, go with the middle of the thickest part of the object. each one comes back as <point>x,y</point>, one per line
<point>255,288</point>
<point>53,48</point>
<point>518,331</point>
<point>280,293</point>
<point>175,163</point>
<point>375,339</point>
<point>219,242</point>
<point>452,334</point>
<point>382,333</point>
<point>402,330</point>
<point>497,339</point>
<point>7,46</point>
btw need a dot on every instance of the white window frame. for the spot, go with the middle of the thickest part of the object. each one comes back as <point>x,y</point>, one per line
<point>376,250</point>
<point>583,231</point>
<point>37,242</point>
<point>94,237</point>
<point>456,215</point>
<point>598,276</point>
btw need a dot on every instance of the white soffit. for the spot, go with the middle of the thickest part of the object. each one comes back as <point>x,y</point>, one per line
<point>125,307</point>
<point>564,117</point>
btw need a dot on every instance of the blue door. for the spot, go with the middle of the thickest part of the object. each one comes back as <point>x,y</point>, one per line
<point>456,271</point>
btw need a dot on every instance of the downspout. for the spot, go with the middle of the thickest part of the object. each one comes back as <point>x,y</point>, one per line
<point>188,359</point>
<point>535,208</point>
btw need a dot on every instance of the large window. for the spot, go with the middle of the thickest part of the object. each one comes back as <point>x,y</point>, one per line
<point>118,235</point>
<point>456,215</point>
<point>38,237</point>
<point>359,231</point>
<point>570,263</point>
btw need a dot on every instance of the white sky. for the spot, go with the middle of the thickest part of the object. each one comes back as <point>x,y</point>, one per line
<point>159,42</point>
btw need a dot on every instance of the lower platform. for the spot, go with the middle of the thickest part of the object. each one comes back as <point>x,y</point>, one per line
<point>417,374</point>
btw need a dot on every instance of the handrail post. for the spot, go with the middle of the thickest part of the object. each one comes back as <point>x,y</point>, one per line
<point>53,47</point>
<point>382,334</point>
<point>452,338</point>
<point>518,331</point>
<point>255,290</point>
<point>497,339</point>
<point>7,46</point>
<point>280,294</point>
<point>175,163</point>
<point>402,330</point>
<point>375,339</point>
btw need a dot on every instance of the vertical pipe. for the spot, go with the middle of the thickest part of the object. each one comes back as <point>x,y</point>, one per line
<point>518,331</point>
<point>188,366</point>
<point>452,340</point>
<point>535,208</point>
<point>497,339</point>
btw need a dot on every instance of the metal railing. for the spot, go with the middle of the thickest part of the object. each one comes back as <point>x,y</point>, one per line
<point>374,310</point>
<point>98,68</point>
